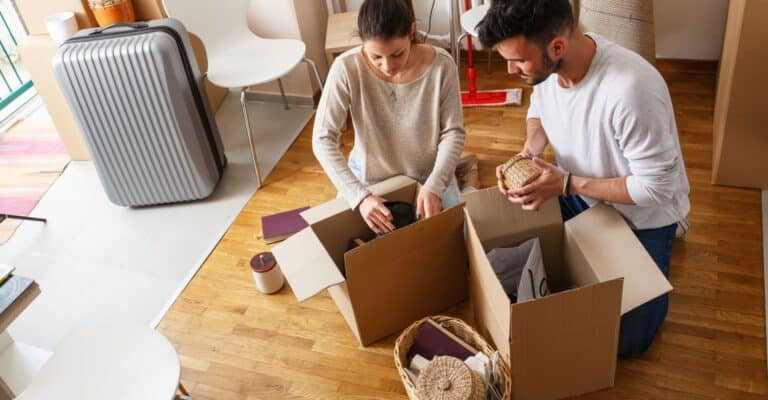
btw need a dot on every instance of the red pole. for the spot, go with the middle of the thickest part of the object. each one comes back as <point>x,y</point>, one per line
<point>471,74</point>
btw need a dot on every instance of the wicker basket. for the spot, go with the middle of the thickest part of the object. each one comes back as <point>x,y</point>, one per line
<point>465,333</point>
<point>448,378</point>
<point>519,171</point>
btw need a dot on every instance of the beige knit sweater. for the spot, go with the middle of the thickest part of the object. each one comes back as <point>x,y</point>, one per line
<point>414,129</point>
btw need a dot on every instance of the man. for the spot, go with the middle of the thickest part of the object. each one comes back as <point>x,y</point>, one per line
<point>608,116</point>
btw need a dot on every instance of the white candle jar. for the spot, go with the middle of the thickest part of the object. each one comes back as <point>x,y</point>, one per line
<point>266,273</point>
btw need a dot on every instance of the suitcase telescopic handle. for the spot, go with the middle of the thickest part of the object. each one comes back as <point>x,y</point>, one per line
<point>137,25</point>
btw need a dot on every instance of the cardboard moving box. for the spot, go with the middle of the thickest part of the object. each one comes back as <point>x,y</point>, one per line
<point>566,343</point>
<point>37,52</point>
<point>416,271</point>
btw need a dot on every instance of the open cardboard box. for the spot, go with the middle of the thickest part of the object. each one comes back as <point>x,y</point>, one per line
<point>416,271</point>
<point>566,343</point>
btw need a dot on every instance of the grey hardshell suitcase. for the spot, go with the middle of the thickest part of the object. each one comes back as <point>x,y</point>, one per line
<point>138,96</point>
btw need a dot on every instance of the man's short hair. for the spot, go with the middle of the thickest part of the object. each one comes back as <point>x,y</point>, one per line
<point>536,20</point>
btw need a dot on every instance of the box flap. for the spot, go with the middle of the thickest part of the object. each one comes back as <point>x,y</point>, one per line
<point>325,210</point>
<point>501,223</point>
<point>306,264</point>
<point>338,205</point>
<point>391,185</point>
<point>340,295</point>
<point>494,216</point>
<point>613,251</point>
<point>489,301</point>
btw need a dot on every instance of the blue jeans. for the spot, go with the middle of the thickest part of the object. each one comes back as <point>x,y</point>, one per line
<point>639,326</point>
<point>450,196</point>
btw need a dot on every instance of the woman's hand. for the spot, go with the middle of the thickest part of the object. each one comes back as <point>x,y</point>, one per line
<point>376,214</point>
<point>428,204</point>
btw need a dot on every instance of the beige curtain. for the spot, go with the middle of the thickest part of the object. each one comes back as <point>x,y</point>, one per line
<point>626,22</point>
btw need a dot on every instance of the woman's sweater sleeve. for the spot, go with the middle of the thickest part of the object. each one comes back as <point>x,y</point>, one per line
<point>331,115</point>
<point>452,134</point>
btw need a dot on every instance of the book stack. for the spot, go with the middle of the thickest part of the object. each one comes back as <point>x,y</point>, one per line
<point>433,340</point>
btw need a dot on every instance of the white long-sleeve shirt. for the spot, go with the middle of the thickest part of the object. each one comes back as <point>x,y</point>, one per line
<point>619,121</point>
<point>414,129</point>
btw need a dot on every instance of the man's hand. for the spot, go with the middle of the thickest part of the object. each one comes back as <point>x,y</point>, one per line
<point>533,195</point>
<point>428,204</point>
<point>376,214</point>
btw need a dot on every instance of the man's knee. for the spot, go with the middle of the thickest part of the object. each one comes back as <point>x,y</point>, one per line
<point>636,345</point>
<point>639,327</point>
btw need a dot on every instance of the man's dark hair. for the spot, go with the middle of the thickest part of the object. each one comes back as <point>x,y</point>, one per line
<point>385,19</point>
<point>536,20</point>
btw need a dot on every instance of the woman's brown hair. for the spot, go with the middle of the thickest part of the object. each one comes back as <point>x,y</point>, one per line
<point>386,19</point>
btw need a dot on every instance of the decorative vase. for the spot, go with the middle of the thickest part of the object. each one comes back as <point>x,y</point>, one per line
<point>108,12</point>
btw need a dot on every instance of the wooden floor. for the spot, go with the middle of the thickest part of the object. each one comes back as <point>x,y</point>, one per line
<point>235,343</point>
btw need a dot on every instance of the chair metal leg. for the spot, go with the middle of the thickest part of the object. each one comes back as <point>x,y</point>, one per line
<point>22,217</point>
<point>282,93</point>
<point>244,106</point>
<point>457,47</point>
<point>454,4</point>
<point>182,393</point>
<point>317,74</point>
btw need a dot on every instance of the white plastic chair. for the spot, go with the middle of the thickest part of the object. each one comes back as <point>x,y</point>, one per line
<point>237,57</point>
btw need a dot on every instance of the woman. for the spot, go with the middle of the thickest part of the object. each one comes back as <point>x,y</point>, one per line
<point>403,99</point>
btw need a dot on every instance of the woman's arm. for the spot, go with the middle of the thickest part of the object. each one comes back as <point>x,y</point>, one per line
<point>330,117</point>
<point>452,135</point>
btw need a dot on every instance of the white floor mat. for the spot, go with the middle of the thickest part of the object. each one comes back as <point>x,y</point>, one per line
<point>94,260</point>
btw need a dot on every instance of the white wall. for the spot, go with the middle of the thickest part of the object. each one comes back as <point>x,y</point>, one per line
<point>312,17</point>
<point>685,29</point>
<point>690,29</point>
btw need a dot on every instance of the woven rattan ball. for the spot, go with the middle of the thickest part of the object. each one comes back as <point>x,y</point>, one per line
<point>448,378</point>
<point>519,171</point>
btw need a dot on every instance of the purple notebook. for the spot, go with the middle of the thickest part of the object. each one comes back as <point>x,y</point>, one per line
<point>431,342</point>
<point>277,227</point>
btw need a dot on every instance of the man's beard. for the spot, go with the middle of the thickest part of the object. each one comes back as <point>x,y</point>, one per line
<point>549,65</point>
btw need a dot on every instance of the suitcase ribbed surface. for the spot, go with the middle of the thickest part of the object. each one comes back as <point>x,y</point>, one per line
<point>133,108</point>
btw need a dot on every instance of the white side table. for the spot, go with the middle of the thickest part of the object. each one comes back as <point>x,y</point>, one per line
<point>19,362</point>
<point>114,360</point>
